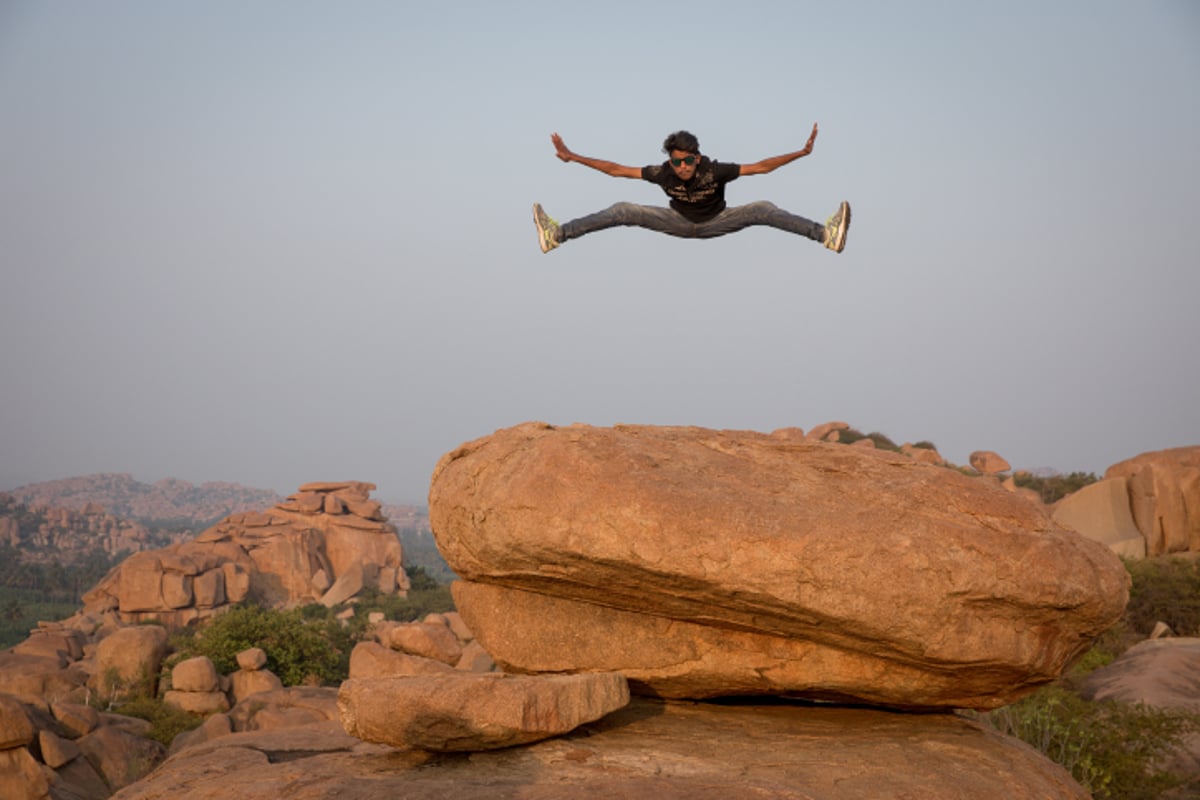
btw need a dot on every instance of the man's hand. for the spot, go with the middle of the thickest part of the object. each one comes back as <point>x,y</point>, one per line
<point>808,146</point>
<point>772,164</point>
<point>607,167</point>
<point>560,149</point>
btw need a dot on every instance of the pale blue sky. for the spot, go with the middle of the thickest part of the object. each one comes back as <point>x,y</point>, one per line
<point>281,242</point>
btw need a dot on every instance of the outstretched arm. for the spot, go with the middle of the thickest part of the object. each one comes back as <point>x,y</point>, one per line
<point>775,162</point>
<point>607,167</point>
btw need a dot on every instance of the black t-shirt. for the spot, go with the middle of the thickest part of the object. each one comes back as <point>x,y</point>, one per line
<point>701,198</point>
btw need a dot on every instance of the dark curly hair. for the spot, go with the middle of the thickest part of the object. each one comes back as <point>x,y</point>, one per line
<point>681,140</point>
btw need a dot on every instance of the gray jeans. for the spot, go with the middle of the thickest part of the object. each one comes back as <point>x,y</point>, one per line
<point>667,220</point>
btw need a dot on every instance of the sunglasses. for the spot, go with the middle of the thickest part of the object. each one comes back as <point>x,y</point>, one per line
<point>689,160</point>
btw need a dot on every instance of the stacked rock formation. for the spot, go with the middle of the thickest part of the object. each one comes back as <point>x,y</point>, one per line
<point>252,676</point>
<point>430,686</point>
<point>326,543</point>
<point>1148,505</point>
<point>703,563</point>
<point>440,643</point>
<point>196,687</point>
<point>685,563</point>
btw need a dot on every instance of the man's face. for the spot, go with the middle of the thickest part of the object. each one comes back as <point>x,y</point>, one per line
<point>684,163</point>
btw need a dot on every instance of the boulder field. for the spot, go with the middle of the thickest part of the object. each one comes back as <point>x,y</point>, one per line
<point>675,612</point>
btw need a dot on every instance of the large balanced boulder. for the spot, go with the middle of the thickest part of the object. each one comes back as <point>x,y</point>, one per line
<point>878,569</point>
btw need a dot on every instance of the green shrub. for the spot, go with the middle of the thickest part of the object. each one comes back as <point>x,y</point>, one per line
<point>168,721</point>
<point>301,649</point>
<point>1114,750</point>
<point>308,644</point>
<point>417,605</point>
<point>882,442</point>
<point>1167,590</point>
<point>1053,488</point>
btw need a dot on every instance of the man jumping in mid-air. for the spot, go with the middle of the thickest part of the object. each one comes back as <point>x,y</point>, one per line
<point>696,186</point>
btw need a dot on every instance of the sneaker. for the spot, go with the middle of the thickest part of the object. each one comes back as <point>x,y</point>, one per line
<point>836,228</point>
<point>547,228</point>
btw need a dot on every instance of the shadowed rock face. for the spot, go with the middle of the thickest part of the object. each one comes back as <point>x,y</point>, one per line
<point>860,558</point>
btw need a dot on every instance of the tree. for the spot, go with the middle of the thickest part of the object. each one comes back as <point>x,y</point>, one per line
<point>12,611</point>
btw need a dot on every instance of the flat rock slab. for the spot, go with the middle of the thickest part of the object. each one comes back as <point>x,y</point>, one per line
<point>526,632</point>
<point>472,711</point>
<point>668,751</point>
<point>847,548</point>
<point>1163,673</point>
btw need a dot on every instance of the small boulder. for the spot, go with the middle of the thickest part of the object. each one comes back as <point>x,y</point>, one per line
<point>195,675</point>
<point>427,639</point>
<point>76,718</point>
<point>466,712</point>
<point>245,683</point>
<point>16,729</point>
<point>475,659</point>
<point>253,659</point>
<point>989,462</point>
<point>56,751</point>
<point>373,660</point>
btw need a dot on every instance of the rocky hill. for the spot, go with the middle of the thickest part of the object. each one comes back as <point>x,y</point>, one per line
<point>71,519</point>
<point>67,536</point>
<point>168,500</point>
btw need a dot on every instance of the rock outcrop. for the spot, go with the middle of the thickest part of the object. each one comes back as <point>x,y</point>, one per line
<point>1101,512</point>
<point>839,571</point>
<point>326,543</point>
<point>169,499</point>
<point>1164,497</point>
<point>70,751</point>
<point>1162,673</point>
<point>44,534</point>
<point>665,750</point>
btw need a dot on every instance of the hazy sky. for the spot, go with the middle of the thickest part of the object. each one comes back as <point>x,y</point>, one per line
<point>279,242</point>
